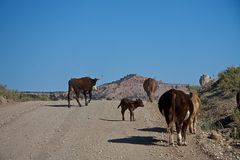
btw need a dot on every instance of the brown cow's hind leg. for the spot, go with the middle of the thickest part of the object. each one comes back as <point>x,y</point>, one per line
<point>90,97</point>
<point>194,125</point>
<point>85,97</point>
<point>69,92</point>
<point>170,131</point>
<point>78,102</point>
<point>149,96</point>
<point>69,99</point>
<point>191,126</point>
<point>179,134</point>
<point>184,130</point>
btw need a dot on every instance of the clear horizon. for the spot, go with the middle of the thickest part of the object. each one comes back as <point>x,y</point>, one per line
<point>45,43</point>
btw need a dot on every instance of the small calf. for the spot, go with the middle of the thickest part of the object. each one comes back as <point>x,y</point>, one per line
<point>131,105</point>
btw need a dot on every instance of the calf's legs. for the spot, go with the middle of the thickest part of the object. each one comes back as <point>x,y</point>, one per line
<point>131,115</point>
<point>123,111</point>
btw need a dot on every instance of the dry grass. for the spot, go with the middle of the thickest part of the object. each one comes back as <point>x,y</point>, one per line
<point>12,95</point>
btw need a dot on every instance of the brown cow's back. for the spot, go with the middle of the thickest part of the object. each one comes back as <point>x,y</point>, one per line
<point>150,86</point>
<point>177,107</point>
<point>83,83</point>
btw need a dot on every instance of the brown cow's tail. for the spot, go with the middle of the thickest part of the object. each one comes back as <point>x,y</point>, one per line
<point>173,106</point>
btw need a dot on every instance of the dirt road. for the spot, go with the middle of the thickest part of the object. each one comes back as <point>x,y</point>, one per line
<point>50,130</point>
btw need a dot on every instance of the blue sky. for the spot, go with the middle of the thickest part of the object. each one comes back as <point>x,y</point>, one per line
<point>43,43</point>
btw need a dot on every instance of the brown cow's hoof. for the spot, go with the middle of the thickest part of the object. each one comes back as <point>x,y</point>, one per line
<point>182,144</point>
<point>171,145</point>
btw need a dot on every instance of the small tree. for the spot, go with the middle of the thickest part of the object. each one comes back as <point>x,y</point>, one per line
<point>230,80</point>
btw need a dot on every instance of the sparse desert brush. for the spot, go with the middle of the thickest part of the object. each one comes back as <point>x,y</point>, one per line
<point>3,90</point>
<point>236,118</point>
<point>194,88</point>
<point>8,94</point>
<point>208,124</point>
<point>230,80</point>
<point>18,96</point>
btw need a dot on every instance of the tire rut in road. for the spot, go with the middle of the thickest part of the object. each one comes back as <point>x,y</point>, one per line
<point>57,140</point>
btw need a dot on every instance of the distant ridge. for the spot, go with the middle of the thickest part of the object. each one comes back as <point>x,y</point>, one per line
<point>131,86</point>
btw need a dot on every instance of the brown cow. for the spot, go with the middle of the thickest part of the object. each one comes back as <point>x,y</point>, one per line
<point>85,85</point>
<point>196,109</point>
<point>150,87</point>
<point>131,105</point>
<point>177,107</point>
<point>238,100</point>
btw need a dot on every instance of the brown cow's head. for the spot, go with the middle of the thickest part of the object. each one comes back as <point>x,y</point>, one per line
<point>139,103</point>
<point>94,81</point>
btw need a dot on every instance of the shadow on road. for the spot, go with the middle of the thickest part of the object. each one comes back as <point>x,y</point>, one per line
<point>141,140</point>
<point>110,120</point>
<point>58,105</point>
<point>154,129</point>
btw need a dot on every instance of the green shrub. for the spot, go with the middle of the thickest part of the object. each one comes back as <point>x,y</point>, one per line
<point>194,88</point>
<point>3,90</point>
<point>236,118</point>
<point>230,80</point>
<point>210,124</point>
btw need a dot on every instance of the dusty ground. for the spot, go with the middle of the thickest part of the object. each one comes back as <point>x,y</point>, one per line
<point>50,130</point>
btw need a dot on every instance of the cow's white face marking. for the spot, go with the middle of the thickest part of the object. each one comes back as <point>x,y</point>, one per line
<point>94,88</point>
<point>187,116</point>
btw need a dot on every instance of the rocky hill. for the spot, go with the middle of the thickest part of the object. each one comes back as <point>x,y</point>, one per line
<point>218,109</point>
<point>219,120</point>
<point>131,86</point>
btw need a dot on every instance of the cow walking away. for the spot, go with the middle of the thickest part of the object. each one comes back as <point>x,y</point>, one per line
<point>131,105</point>
<point>84,85</point>
<point>177,107</point>
<point>150,86</point>
<point>196,109</point>
<point>238,100</point>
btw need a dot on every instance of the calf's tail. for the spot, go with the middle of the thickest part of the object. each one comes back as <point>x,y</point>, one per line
<point>119,105</point>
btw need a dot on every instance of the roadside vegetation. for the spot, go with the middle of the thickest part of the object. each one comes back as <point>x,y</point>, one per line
<point>219,108</point>
<point>229,80</point>
<point>194,88</point>
<point>8,95</point>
